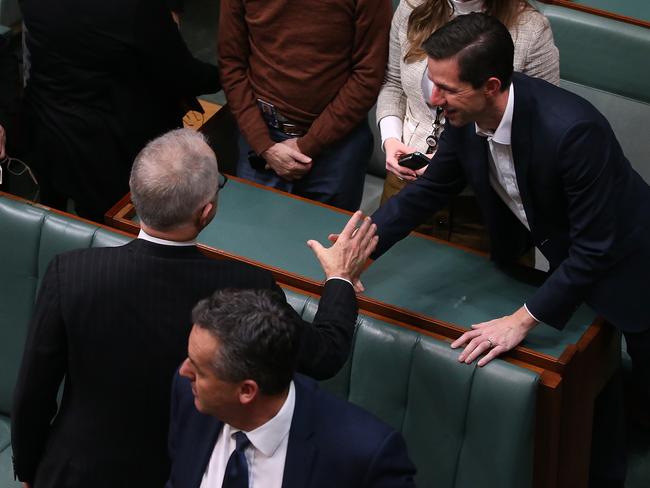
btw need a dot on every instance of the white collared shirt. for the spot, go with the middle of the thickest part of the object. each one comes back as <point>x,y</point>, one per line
<point>503,178</point>
<point>265,454</point>
<point>146,237</point>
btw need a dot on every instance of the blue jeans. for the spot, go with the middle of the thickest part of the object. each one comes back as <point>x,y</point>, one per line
<point>337,173</point>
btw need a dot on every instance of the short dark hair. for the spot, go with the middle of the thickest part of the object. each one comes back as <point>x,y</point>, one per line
<point>482,45</point>
<point>258,336</point>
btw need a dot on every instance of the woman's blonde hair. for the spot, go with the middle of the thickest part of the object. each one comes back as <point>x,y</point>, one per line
<point>431,14</point>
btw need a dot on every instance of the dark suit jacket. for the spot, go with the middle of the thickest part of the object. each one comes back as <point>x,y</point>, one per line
<point>332,443</point>
<point>106,77</point>
<point>115,322</point>
<point>586,207</point>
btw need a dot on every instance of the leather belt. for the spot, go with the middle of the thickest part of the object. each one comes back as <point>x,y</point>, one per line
<point>278,121</point>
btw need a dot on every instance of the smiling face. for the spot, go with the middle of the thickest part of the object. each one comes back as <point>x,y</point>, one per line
<point>461,102</point>
<point>212,394</point>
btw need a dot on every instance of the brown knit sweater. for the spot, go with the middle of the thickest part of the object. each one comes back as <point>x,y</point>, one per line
<point>321,63</point>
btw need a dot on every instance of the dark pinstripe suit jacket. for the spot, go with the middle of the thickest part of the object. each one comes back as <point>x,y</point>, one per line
<point>115,322</point>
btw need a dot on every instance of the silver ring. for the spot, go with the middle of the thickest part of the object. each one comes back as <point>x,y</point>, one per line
<point>490,343</point>
<point>400,178</point>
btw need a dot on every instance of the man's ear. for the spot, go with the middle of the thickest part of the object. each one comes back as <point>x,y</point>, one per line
<point>207,213</point>
<point>248,391</point>
<point>492,86</point>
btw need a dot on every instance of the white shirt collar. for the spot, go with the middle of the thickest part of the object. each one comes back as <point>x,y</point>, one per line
<point>464,8</point>
<point>146,237</point>
<point>267,437</point>
<point>504,131</point>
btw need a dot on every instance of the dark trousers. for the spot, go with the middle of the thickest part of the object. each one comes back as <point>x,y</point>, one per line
<point>337,173</point>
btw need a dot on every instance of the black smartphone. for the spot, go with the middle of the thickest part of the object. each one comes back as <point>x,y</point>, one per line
<point>415,160</point>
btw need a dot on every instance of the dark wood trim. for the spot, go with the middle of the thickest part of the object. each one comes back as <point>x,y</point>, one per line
<point>599,12</point>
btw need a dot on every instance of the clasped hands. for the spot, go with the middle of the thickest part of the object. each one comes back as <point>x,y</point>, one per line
<point>287,160</point>
<point>348,255</point>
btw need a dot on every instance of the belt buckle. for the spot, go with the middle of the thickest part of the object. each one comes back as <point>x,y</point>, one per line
<point>292,129</point>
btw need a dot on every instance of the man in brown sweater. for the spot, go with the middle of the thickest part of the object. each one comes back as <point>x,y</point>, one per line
<point>300,79</point>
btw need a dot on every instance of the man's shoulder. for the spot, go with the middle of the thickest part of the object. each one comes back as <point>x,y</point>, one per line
<point>138,253</point>
<point>552,104</point>
<point>334,415</point>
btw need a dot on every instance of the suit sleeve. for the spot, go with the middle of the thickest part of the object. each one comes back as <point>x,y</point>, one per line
<point>589,178</point>
<point>165,55</point>
<point>390,466</point>
<point>357,95</point>
<point>325,343</point>
<point>40,375</point>
<point>443,178</point>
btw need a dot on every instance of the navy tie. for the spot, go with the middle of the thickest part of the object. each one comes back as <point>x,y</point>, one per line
<point>236,475</point>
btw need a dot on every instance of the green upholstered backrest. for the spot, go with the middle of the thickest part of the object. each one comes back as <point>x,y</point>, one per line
<point>464,426</point>
<point>31,237</point>
<point>9,12</point>
<point>601,53</point>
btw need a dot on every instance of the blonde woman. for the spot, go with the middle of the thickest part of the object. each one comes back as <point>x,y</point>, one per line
<point>404,118</point>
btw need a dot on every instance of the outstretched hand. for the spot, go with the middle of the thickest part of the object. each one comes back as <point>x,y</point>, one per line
<point>347,256</point>
<point>494,337</point>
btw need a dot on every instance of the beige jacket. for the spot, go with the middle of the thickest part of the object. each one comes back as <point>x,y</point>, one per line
<point>401,93</point>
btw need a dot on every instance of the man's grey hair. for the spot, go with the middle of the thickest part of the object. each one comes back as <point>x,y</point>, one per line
<point>172,177</point>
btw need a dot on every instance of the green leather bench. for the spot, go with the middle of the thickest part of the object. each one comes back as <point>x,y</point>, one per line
<point>465,426</point>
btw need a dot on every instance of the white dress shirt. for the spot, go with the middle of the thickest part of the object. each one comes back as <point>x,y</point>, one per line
<point>146,237</point>
<point>265,454</point>
<point>503,178</point>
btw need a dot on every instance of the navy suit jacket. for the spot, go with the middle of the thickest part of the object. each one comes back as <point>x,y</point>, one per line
<point>332,443</point>
<point>586,207</point>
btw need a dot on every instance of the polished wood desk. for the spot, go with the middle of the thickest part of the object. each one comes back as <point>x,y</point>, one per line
<point>435,287</point>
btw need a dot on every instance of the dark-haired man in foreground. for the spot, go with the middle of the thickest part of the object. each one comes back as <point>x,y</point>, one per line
<point>547,171</point>
<point>242,419</point>
<point>115,322</point>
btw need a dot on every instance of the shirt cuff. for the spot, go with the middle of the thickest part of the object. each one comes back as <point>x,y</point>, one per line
<point>390,126</point>
<point>529,313</point>
<point>339,278</point>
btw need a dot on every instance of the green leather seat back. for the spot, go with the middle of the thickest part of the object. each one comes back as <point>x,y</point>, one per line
<point>9,12</point>
<point>465,427</point>
<point>600,52</point>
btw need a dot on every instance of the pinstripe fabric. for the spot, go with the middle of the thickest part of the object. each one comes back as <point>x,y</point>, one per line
<point>115,322</point>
